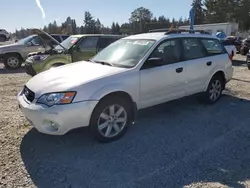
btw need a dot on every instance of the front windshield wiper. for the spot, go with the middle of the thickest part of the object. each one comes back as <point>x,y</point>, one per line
<point>103,63</point>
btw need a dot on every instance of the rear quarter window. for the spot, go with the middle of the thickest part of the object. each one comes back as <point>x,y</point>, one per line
<point>64,37</point>
<point>213,46</point>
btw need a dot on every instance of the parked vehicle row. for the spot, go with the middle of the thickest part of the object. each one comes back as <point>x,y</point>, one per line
<point>73,49</point>
<point>130,74</point>
<point>13,55</point>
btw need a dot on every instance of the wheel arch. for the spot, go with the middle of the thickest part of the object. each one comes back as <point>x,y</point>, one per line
<point>123,94</point>
<point>218,72</point>
<point>16,53</point>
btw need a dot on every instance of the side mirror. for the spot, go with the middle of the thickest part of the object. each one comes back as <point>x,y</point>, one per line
<point>155,61</point>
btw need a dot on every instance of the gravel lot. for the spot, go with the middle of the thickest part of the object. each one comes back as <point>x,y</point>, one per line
<point>179,144</point>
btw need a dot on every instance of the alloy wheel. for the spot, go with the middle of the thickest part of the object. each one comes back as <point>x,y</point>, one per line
<point>112,121</point>
<point>215,90</point>
<point>13,62</point>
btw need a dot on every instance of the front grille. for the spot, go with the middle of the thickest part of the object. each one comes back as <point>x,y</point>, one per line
<point>30,95</point>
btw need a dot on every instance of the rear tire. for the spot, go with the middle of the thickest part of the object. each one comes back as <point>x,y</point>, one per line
<point>248,66</point>
<point>111,118</point>
<point>12,61</point>
<point>214,90</point>
<point>243,51</point>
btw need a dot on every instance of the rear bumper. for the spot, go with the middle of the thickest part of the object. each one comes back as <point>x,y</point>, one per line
<point>29,70</point>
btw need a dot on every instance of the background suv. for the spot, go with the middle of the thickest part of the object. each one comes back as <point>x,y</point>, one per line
<point>132,73</point>
<point>4,35</point>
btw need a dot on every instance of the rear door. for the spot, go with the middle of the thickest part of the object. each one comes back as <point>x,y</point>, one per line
<point>202,56</point>
<point>85,49</point>
<point>198,64</point>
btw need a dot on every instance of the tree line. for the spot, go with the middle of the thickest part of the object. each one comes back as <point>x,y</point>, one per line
<point>143,20</point>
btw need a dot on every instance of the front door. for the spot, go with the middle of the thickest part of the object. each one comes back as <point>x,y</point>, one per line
<point>86,49</point>
<point>163,82</point>
<point>34,45</point>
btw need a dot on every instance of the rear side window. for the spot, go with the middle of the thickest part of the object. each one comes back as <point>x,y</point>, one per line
<point>193,49</point>
<point>213,47</point>
<point>105,41</point>
<point>88,43</point>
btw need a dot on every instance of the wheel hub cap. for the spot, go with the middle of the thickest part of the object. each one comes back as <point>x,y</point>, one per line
<point>215,90</point>
<point>13,62</point>
<point>112,121</point>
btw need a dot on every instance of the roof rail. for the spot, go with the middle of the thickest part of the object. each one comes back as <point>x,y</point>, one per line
<point>158,30</point>
<point>178,31</point>
<point>186,31</point>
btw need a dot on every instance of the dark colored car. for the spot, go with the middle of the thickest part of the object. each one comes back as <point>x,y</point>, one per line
<point>248,61</point>
<point>233,40</point>
<point>245,46</point>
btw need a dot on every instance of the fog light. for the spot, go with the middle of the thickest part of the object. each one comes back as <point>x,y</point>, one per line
<point>54,126</point>
<point>50,126</point>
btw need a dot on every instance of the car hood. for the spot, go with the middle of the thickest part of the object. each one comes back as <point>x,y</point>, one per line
<point>10,46</point>
<point>46,38</point>
<point>68,77</point>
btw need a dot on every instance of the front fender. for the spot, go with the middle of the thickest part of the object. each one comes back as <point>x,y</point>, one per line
<point>12,51</point>
<point>99,94</point>
<point>55,60</point>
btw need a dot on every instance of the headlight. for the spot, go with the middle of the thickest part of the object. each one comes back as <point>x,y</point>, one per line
<point>40,57</point>
<point>51,99</point>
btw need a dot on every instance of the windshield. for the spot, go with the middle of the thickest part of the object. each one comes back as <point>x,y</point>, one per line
<point>70,41</point>
<point>124,52</point>
<point>25,40</point>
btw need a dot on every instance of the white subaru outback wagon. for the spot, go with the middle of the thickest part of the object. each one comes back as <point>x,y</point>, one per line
<point>132,73</point>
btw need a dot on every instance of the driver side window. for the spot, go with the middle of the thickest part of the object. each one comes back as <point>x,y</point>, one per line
<point>168,52</point>
<point>36,41</point>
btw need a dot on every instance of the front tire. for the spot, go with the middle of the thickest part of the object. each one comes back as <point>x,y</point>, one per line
<point>214,90</point>
<point>56,65</point>
<point>248,66</point>
<point>111,118</point>
<point>12,61</point>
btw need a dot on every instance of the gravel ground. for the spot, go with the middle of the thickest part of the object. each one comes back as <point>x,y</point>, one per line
<point>178,144</point>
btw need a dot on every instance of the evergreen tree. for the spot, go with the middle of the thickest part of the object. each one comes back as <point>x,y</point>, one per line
<point>199,14</point>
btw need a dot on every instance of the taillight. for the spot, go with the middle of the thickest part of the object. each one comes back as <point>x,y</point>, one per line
<point>230,57</point>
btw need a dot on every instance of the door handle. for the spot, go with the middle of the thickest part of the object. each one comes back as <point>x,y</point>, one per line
<point>179,70</point>
<point>209,63</point>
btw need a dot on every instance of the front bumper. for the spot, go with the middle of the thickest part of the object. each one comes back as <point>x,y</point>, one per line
<point>58,119</point>
<point>29,70</point>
